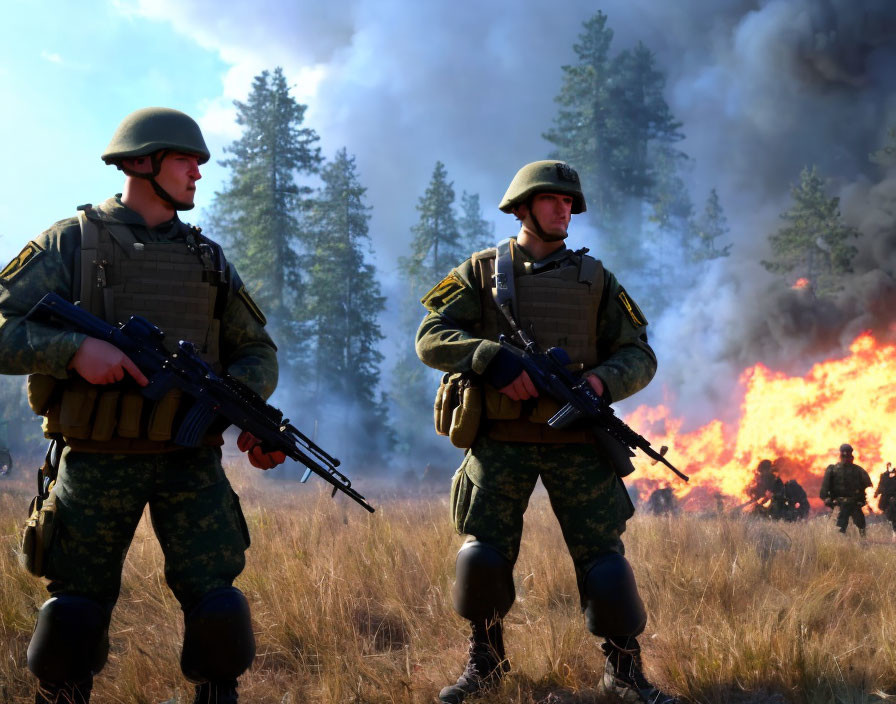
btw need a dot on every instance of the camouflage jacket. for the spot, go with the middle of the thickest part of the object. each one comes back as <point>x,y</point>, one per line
<point>48,263</point>
<point>445,341</point>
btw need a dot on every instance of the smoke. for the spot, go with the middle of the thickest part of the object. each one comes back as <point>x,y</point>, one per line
<point>763,88</point>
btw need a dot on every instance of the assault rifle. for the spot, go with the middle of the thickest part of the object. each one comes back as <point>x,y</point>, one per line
<point>218,401</point>
<point>548,371</point>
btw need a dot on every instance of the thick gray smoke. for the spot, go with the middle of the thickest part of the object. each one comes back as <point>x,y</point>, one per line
<point>763,88</point>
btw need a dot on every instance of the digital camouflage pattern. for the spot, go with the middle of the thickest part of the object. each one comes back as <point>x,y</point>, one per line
<point>445,339</point>
<point>100,499</point>
<point>491,489</point>
<point>48,264</point>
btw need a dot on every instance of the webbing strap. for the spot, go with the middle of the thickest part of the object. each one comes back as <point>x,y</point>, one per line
<point>503,287</point>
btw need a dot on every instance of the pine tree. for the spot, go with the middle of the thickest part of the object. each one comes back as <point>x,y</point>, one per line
<point>815,242</point>
<point>711,226</point>
<point>258,215</point>
<point>612,120</point>
<point>475,232</point>
<point>343,303</point>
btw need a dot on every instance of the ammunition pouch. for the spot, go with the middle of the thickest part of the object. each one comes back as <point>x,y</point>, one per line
<point>457,411</point>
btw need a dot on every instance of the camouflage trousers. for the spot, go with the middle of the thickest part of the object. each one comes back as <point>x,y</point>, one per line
<point>853,510</point>
<point>491,489</point>
<point>100,499</point>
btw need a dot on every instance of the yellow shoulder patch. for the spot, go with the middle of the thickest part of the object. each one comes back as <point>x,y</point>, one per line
<point>443,293</point>
<point>631,308</point>
<point>32,250</point>
<point>251,305</point>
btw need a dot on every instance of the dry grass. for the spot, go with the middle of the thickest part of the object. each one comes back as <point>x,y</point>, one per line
<point>356,608</point>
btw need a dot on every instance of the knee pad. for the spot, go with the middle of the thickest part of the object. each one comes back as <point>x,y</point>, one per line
<point>610,598</point>
<point>70,641</point>
<point>218,640</point>
<point>483,586</point>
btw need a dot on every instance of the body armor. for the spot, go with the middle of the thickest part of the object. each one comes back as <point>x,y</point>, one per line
<point>557,302</point>
<point>176,285</point>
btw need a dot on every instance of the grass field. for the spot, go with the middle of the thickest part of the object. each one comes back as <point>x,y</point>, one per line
<point>356,608</point>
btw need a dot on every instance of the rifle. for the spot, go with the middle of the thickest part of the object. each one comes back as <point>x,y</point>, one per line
<point>218,401</point>
<point>549,373</point>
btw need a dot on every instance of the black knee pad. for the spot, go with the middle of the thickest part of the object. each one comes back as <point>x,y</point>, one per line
<point>610,598</point>
<point>70,641</point>
<point>218,640</point>
<point>483,586</point>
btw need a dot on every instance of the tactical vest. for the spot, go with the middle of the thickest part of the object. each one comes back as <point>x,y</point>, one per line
<point>558,305</point>
<point>846,481</point>
<point>178,286</point>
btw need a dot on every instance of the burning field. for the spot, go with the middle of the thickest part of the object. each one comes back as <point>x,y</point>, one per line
<point>798,422</point>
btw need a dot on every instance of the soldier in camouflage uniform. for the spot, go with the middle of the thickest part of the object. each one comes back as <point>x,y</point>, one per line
<point>566,299</point>
<point>133,255</point>
<point>886,490</point>
<point>662,502</point>
<point>844,485</point>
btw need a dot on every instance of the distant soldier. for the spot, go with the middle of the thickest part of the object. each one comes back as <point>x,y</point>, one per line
<point>789,502</point>
<point>662,502</point>
<point>886,490</point>
<point>844,485</point>
<point>766,485</point>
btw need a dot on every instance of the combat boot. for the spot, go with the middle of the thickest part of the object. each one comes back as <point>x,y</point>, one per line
<point>624,676</point>
<point>216,693</point>
<point>78,693</point>
<point>486,665</point>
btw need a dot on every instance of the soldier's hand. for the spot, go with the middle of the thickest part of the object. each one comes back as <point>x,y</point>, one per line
<point>251,445</point>
<point>596,384</point>
<point>520,388</point>
<point>102,363</point>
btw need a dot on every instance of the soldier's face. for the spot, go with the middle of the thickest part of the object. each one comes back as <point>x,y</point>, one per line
<point>178,176</point>
<point>846,457</point>
<point>553,211</point>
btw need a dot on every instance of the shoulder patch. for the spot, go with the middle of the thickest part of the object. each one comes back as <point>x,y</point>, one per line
<point>251,305</point>
<point>28,254</point>
<point>443,293</point>
<point>631,308</point>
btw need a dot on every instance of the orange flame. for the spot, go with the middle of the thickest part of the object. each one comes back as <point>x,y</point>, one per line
<point>798,421</point>
<point>800,283</point>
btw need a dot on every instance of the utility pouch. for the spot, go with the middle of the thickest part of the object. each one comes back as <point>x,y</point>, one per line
<point>444,403</point>
<point>501,407</point>
<point>129,415</point>
<point>467,413</point>
<point>76,412</point>
<point>40,526</point>
<point>40,388</point>
<point>162,417</point>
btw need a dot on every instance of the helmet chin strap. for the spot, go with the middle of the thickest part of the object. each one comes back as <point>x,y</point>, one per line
<point>156,161</point>
<point>539,230</point>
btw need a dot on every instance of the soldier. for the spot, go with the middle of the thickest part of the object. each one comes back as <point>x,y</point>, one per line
<point>662,501</point>
<point>844,485</point>
<point>791,503</point>
<point>763,489</point>
<point>133,255</point>
<point>566,299</point>
<point>886,490</point>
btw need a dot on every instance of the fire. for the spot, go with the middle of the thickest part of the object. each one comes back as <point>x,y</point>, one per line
<point>800,283</point>
<point>797,421</point>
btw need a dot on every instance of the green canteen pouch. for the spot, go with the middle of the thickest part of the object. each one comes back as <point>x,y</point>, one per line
<point>467,414</point>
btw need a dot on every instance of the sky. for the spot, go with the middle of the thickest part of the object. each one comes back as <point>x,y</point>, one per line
<point>763,88</point>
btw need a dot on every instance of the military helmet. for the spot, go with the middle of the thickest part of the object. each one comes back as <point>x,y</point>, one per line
<point>547,176</point>
<point>153,129</point>
<point>846,449</point>
<point>765,466</point>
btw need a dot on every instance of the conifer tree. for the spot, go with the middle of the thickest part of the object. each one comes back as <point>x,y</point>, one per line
<point>343,303</point>
<point>710,227</point>
<point>475,232</point>
<point>258,215</point>
<point>814,244</point>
